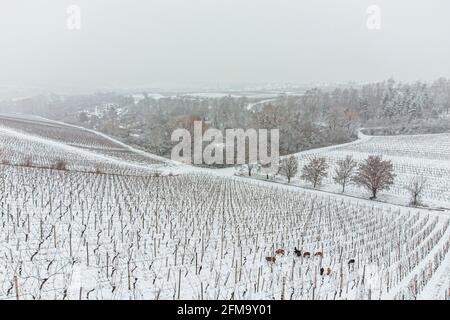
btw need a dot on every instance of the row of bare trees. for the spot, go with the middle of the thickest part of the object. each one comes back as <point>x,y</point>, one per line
<point>374,174</point>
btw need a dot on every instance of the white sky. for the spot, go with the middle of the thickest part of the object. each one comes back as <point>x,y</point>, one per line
<point>130,43</point>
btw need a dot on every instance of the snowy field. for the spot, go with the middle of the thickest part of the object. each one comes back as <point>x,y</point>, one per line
<point>126,233</point>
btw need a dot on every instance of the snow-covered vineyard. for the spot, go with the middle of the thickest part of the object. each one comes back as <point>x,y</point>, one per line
<point>127,233</point>
<point>190,236</point>
<point>412,156</point>
<point>32,141</point>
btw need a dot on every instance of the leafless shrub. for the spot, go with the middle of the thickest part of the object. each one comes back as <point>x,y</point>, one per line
<point>28,163</point>
<point>98,170</point>
<point>60,165</point>
<point>157,174</point>
<point>416,188</point>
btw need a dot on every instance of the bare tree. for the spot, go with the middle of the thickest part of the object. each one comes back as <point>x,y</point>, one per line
<point>375,174</point>
<point>416,187</point>
<point>289,167</point>
<point>250,168</point>
<point>315,171</point>
<point>268,171</point>
<point>247,169</point>
<point>344,171</point>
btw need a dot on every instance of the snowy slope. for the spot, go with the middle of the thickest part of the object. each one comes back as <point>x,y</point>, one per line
<point>43,142</point>
<point>196,233</point>
<point>412,156</point>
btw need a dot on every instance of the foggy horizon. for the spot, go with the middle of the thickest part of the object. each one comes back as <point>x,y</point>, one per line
<point>193,44</point>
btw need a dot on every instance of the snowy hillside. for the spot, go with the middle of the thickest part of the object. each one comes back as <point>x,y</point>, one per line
<point>412,156</point>
<point>37,142</point>
<point>126,233</point>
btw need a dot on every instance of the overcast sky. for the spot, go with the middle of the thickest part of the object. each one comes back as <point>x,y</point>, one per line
<point>135,43</point>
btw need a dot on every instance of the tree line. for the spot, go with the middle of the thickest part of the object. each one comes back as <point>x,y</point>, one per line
<point>373,174</point>
<point>316,117</point>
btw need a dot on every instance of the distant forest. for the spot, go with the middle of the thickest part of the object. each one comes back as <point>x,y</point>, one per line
<point>315,118</point>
